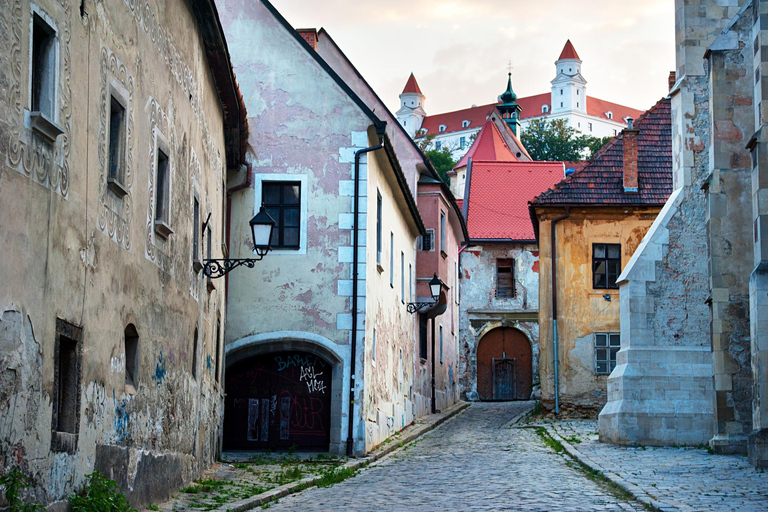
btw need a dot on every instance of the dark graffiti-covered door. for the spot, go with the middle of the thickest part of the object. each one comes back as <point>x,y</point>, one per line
<point>278,401</point>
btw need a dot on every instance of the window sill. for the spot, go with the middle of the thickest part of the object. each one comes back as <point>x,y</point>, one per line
<point>63,442</point>
<point>197,266</point>
<point>44,126</point>
<point>117,187</point>
<point>379,268</point>
<point>443,254</point>
<point>422,360</point>
<point>163,229</point>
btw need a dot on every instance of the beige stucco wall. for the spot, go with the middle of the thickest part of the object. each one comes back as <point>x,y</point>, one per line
<point>582,310</point>
<point>76,252</point>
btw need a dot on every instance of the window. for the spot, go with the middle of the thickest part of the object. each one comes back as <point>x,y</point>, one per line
<point>402,277</point>
<point>462,142</point>
<point>378,227</point>
<point>209,253</point>
<point>606,265</point>
<point>438,145</point>
<point>606,346</point>
<point>422,336</point>
<point>561,92</point>
<point>465,123</point>
<point>456,282</point>
<point>66,387</point>
<point>544,109</point>
<point>131,359</point>
<point>43,86</point>
<point>162,195</point>
<point>392,260</point>
<point>441,128</point>
<point>282,201</point>
<point>442,232</point>
<point>505,278</point>
<point>410,282</point>
<point>427,242</point>
<point>561,103</point>
<point>373,347</point>
<point>577,104</point>
<point>441,344</point>
<point>116,146</point>
<point>614,132</point>
<point>590,126</point>
<point>577,92</point>
<point>194,355</point>
<point>218,348</point>
<point>579,124</point>
<point>196,231</point>
<point>609,114</point>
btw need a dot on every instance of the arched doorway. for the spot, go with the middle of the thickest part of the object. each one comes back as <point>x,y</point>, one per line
<point>277,401</point>
<point>504,365</point>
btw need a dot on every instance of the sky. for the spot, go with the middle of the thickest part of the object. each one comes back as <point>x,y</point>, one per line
<point>459,50</point>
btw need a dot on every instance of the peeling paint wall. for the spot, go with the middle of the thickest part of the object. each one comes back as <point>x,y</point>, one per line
<point>80,255</point>
<point>482,311</point>
<point>582,310</point>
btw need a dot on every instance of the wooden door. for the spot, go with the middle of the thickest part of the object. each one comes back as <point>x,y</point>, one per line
<point>502,344</point>
<point>503,379</point>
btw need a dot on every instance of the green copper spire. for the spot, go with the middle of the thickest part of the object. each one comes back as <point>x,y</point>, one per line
<point>508,107</point>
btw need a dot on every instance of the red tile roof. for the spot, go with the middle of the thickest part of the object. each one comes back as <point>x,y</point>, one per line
<point>499,194</point>
<point>489,145</point>
<point>569,52</point>
<point>600,181</point>
<point>531,106</point>
<point>411,86</point>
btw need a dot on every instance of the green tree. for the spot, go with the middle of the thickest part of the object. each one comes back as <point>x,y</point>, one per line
<point>556,140</point>
<point>443,162</point>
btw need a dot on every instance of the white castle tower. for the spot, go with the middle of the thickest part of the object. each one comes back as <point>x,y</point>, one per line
<point>411,113</point>
<point>569,89</point>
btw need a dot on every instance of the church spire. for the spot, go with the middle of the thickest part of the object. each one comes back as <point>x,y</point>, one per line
<point>508,107</point>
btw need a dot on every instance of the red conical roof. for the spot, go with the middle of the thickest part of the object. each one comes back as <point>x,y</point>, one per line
<point>569,52</point>
<point>489,146</point>
<point>411,86</point>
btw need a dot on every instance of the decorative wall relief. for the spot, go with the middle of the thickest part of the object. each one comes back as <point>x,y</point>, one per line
<point>115,213</point>
<point>28,153</point>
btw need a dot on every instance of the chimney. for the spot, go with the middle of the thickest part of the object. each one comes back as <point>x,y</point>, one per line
<point>309,35</point>
<point>672,79</point>
<point>630,156</point>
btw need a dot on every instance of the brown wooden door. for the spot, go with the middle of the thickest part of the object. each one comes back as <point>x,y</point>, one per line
<point>501,344</point>
<point>277,401</point>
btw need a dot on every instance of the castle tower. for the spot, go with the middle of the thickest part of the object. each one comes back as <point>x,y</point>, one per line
<point>569,89</point>
<point>411,113</point>
<point>509,109</point>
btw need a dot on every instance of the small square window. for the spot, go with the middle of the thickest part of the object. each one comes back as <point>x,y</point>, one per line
<point>505,278</point>
<point>607,345</point>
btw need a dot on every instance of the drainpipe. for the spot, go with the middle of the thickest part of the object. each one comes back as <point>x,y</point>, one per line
<point>434,405</point>
<point>355,266</point>
<point>553,252</point>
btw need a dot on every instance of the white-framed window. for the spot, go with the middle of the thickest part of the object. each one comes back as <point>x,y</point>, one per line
<point>402,277</point>
<point>116,144</point>
<point>441,344</point>
<point>43,74</point>
<point>607,344</point>
<point>284,206</point>
<point>544,109</point>
<point>427,243</point>
<point>609,114</point>
<point>590,126</point>
<point>462,142</point>
<point>465,123</point>
<point>561,103</point>
<point>442,128</point>
<point>373,347</point>
<point>577,104</point>
<point>391,260</point>
<point>378,227</point>
<point>196,233</point>
<point>163,186</point>
<point>410,282</point>
<point>561,92</point>
<point>438,145</point>
<point>442,231</point>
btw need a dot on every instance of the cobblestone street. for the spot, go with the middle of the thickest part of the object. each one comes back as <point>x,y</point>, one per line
<point>472,462</point>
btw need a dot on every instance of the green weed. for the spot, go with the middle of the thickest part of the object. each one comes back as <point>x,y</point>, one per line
<point>13,482</point>
<point>100,494</point>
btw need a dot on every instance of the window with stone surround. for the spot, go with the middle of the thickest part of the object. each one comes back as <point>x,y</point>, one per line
<point>131,359</point>
<point>66,387</point>
<point>43,76</point>
<point>505,278</point>
<point>607,344</point>
<point>116,152</point>
<point>422,337</point>
<point>427,242</point>
<point>606,266</point>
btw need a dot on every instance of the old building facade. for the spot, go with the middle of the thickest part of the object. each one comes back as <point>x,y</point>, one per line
<point>707,337</point>
<point>321,348</point>
<point>118,127</point>
<point>588,226</point>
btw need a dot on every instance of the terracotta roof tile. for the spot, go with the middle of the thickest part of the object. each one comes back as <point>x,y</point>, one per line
<point>569,52</point>
<point>499,194</point>
<point>601,181</point>
<point>489,145</point>
<point>411,86</point>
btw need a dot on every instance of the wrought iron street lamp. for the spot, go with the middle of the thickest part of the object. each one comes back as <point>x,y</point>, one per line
<point>262,225</point>
<point>434,288</point>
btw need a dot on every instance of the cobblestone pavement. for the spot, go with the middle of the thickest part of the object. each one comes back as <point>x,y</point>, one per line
<point>471,462</point>
<point>688,479</point>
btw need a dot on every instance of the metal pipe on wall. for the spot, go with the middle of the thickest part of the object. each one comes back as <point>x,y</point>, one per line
<point>553,253</point>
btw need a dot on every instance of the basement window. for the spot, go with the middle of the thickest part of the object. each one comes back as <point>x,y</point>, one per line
<point>606,266</point>
<point>505,278</point>
<point>607,344</point>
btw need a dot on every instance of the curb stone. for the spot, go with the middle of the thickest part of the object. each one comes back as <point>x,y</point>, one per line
<point>357,463</point>
<point>633,489</point>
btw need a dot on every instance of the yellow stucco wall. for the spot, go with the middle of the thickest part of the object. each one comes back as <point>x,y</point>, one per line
<point>581,310</point>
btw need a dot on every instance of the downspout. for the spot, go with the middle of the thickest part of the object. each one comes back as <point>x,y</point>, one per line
<point>434,405</point>
<point>553,252</point>
<point>355,266</point>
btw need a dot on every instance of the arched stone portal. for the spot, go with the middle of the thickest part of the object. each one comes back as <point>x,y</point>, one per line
<point>279,400</point>
<point>504,365</point>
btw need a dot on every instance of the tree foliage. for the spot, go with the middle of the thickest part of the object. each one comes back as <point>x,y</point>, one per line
<point>556,140</point>
<point>443,162</point>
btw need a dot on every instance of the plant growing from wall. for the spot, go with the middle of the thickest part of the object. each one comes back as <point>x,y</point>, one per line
<point>12,483</point>
<point>100,494</point>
